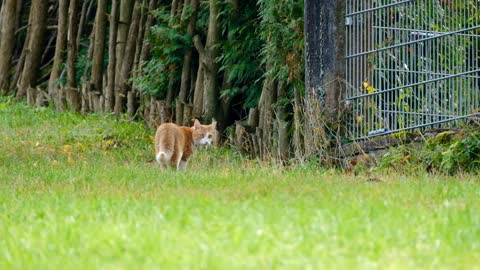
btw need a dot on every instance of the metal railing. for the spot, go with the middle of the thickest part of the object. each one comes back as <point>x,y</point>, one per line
<point>411,64</point>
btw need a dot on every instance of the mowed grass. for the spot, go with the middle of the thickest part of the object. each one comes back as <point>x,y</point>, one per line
<point>82,192</point>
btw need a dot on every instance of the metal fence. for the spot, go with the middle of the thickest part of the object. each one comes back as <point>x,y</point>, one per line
<point>411,64</point>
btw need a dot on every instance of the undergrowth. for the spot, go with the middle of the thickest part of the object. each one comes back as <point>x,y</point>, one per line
<point>445,153</point>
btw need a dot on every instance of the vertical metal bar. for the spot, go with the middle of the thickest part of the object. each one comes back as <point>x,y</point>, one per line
<point>476,54</point>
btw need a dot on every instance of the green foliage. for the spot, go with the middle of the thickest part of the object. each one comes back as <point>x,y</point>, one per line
<point>169,43</point>
<point>282,32</point>
<point>403,158</point>
<point>239,60</point>
<point>83,65</point>
<point>452,154</point>
<point>446,153</point>
<point>281,29</point>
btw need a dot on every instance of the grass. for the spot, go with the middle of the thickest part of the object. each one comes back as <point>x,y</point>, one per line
<point>82,192</point>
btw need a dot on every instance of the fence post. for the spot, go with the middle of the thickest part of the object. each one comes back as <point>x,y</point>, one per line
<point>324,53</point>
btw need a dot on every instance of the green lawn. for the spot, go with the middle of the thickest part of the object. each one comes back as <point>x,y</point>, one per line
<point>82,192</point>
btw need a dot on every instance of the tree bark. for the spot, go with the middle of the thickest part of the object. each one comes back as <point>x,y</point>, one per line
<point>140,37</point>
<point>99,48</point>
<point>208,56</point>
<point>174,11</point>
<point>145,46</point>
<point>72,92</point>
<point>187,60</point>
<point>86,8</point>
<point>33,56</point>
<point>128,58</point>
<point>7,43</point>
<point>283,147</point>
<point>198,94</point>
<point>126,8</point>
<point>110,90</point>
<point>53,89</point>
<point>266,118</point>
<point>227,83</point>
<point>20,65</point>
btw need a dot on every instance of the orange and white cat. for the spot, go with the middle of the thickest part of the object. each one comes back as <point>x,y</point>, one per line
<point>174,145</point>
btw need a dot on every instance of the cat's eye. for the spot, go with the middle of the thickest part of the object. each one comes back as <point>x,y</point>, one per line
<point>209,136</point>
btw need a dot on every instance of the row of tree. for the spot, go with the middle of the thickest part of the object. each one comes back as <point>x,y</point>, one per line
<point>238,61</point>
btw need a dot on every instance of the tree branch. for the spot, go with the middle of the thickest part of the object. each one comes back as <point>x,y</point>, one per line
<point>201,51</point>
<point>199,45</point>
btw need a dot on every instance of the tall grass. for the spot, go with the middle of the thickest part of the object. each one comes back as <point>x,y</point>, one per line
<point>82,192</point>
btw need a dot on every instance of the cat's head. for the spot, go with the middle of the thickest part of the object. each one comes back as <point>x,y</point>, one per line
<point>204,134</point>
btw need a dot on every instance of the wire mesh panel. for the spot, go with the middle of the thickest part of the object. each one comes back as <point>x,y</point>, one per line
<point>411,64</point>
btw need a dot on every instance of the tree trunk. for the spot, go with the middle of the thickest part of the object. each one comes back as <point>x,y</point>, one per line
<point>283,147</point>
<point>140,37</point>
<point>208,56</point>
<point>298,124</point>
<point>174,11</point>
<point>187,60</point>
<point>7,43</point>
<point>33,56</point>
<point>126,8</point>
<point>198,94</point>
<point>20,65</point>
<point>145,46</point>
<point>72,92</point>
<point>1,16</point>
<point>227,84</point>
<point>128,58</point>
<point>84,13</point>
<point>53,89</point>
<point>99,48</point>
<point>110,90</point>
<point>266,118</point>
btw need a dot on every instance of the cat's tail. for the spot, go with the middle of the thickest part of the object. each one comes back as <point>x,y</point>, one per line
<point>163,156</point>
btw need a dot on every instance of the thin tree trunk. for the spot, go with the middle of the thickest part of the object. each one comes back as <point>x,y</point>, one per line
<point>2,6</point>
<point>53,89</point>
<point>297,122</point>
<point>86,83</point>
<point>282,124</point>
<point>140,37</point>
<point>86,8</point>
<point>19,68</point>
<point>18,20</point>
<point>1,16</point>
<point>7,43</point>
<point>175,9</point>
<point>211,52</point>
<point>133,100</point>
<point>35,48</point>
<point>266,117</point>
<point>110,90</point>
<point>126,8</point>
<point>199,89</point>
<point>187,59</point>
<point>99,48</point>
<point>72,92</point>
<point>148,24</point>
<point>128,58</point>
<point>226,100</point>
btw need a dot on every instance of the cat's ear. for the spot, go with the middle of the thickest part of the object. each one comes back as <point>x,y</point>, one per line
<point>214,123</point>
<point>196,124</point>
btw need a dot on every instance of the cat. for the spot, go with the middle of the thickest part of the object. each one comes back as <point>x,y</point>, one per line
<point>174,144</point>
